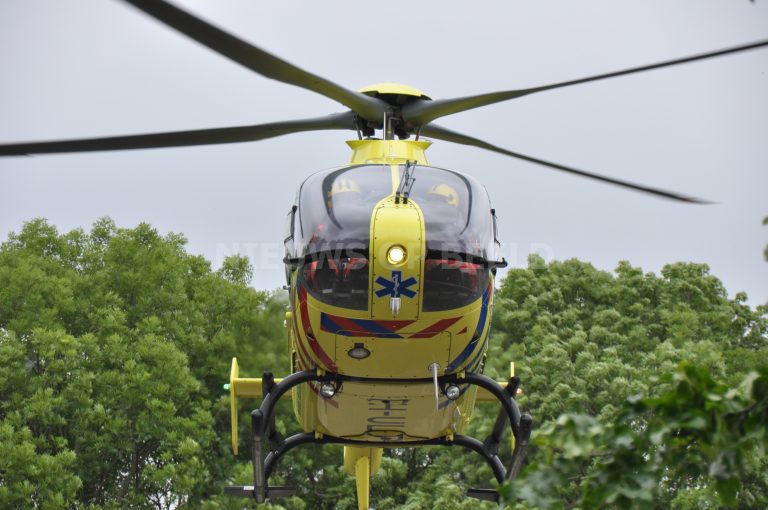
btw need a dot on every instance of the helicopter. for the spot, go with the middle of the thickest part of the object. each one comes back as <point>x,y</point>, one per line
<point>390,264</point>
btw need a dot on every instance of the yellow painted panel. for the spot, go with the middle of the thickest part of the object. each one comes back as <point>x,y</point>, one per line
<point>393,88</point>
<point>388,151</point>
<point>363,482</point>
<point>397,225</point>
<point>387,412</point>
<point>394,357</point>
<point>352,453</point>
<point>484,395</point>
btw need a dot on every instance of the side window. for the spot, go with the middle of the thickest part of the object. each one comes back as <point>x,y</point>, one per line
<point>339,281</point>
<point>335,209</point>
<point>455,209</point>
<point>290,225</point>
<point>453,283</point>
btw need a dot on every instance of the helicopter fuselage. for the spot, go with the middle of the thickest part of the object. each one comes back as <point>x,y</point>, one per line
<point>388,268</point>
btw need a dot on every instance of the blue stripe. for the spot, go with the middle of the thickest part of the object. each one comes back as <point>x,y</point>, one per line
<point>368,326</point>
<point>483,312</point>
<point>328,325</point>
<point>476,361</point>
<point>379,330</point>
<point>461,357</point>
<point>479,331</point>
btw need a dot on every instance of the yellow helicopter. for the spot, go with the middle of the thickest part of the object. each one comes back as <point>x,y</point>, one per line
<point>390,264</point>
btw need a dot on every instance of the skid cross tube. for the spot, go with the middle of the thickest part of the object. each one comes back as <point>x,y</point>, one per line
<point>470,443</point>
<point>269,446</point>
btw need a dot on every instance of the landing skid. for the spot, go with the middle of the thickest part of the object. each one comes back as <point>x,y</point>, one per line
<point>269,445</point>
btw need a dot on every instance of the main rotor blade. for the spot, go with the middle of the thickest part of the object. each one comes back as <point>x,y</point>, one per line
<point>441,133</point>
<point>183,138</point>
<point>420,113</point>
<point>257,59</point>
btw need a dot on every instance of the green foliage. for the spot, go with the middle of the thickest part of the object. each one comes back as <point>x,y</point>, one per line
<point>30,478</point>
<point>114,344</point>
<point>237,269</point>
<point>698,442</point>
<point>113,350</point>
<point>586,340</point>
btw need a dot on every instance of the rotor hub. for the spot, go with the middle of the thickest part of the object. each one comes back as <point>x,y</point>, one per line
<point>395,95</point>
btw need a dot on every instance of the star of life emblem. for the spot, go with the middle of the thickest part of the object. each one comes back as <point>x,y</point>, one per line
<point>395,287</point>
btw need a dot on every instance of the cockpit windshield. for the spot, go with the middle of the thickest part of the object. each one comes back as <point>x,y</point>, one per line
<point>335,208</point>
<point>456,212</point>
<point>332,233</point>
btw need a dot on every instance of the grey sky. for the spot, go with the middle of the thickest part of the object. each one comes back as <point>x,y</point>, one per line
<point>84,68</point>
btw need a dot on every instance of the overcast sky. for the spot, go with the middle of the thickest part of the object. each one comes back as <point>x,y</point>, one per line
<point>85,68</point>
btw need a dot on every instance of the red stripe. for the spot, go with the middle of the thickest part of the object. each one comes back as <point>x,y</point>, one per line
<point>350,326</point>
<point>322,356</point>
<point>304,356</point>
<point>394,325</point>
<point>435,328</point>
<point>303,308</point>
<point>347,325</point>
<point>309,361</point>
<point>313,344</point>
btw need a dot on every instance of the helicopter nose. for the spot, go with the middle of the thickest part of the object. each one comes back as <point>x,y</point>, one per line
<point>397,245</point>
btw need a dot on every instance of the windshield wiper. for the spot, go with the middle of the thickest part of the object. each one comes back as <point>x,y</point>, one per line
<point>406,183</point>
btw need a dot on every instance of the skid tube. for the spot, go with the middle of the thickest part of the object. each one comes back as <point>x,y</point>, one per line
<point>269,446</point>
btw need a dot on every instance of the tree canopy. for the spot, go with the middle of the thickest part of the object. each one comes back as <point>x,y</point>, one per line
<point>647,390</point>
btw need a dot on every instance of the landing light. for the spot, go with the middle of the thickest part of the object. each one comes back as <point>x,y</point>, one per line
<point>452,392</point>
<point>396,254</point>
<point>359,352</point>
<point>327,390</point>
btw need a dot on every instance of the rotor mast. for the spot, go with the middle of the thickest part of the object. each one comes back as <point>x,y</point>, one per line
<point>394,147</point>
<point>392,152</point>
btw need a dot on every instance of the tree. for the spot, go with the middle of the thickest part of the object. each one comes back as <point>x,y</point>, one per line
<point>701,442</point>
<point>114,344</point>
<point>586,340</point>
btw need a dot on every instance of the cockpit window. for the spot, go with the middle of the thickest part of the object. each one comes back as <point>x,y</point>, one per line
<point>334,232</point>
<point>453,283</point>
<point>335,208</point>
<point>457,212</point>
<point>341,281</point>
<point>333,225</point>
<point>459,237</point>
